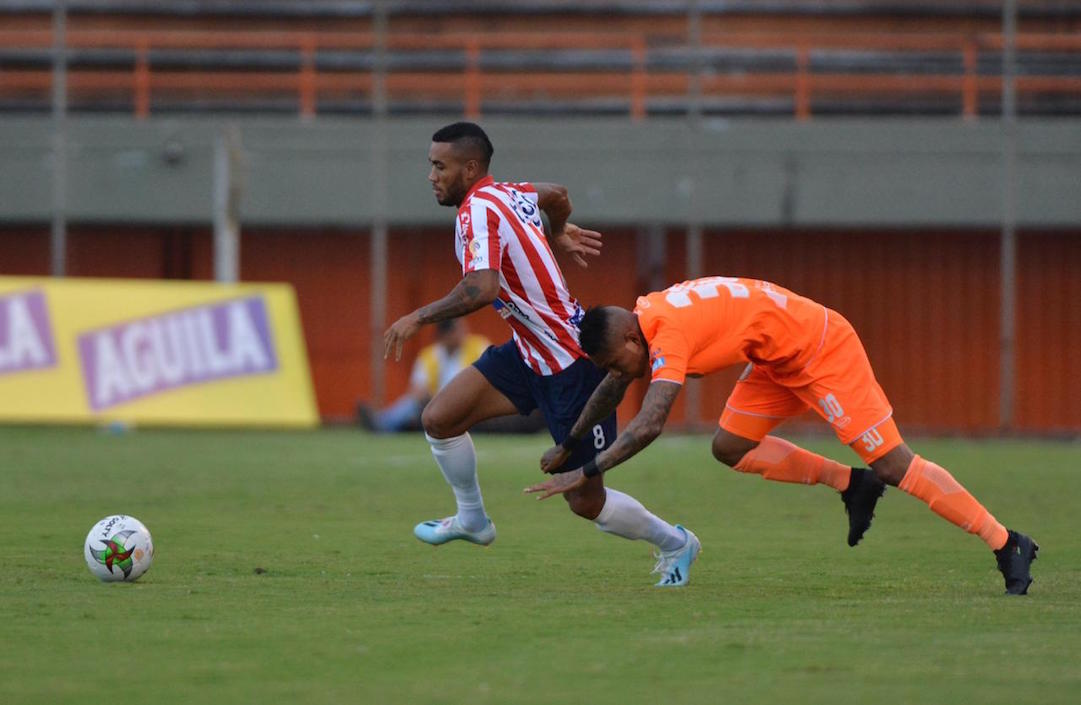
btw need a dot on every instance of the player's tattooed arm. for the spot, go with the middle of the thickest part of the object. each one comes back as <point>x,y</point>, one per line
<point>643,428</point>
<point>641,431</point>
<point>567,237</point>
<point>601,404</point>
<point>476,290</point>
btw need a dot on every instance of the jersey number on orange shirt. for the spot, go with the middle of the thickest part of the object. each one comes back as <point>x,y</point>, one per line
<point>678,295</point>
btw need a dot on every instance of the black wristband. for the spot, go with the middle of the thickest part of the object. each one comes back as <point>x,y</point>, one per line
<point>590,469</point>
<point>570,442</point>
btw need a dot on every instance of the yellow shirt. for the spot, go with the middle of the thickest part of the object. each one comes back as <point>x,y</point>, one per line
<point>434,368</point>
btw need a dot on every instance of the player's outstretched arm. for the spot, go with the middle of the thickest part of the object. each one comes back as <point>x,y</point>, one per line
<point>640,432</point>
<point>601,404</point>
<point>476,290</point>
<point>577,242</point>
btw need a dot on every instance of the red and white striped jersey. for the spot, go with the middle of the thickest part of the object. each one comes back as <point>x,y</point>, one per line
<point>499,227</point>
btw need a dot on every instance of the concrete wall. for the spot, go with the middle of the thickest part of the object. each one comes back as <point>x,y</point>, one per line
<point>892,223</point>
<point>843,172</point>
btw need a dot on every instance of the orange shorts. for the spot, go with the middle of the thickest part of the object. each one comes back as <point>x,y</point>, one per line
<point>837,383</point>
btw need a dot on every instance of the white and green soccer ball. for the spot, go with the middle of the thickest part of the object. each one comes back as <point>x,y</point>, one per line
<point>118,548</point>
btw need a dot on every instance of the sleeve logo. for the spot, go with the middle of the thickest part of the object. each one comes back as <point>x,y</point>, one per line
<point>656,360</point>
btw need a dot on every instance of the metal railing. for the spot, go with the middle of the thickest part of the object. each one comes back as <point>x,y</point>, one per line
<point>479,73</point>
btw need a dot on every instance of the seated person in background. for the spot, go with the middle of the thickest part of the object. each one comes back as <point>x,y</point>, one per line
<point>455,348</point>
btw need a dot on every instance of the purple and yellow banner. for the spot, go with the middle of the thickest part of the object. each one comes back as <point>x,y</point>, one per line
<point>152,352</point>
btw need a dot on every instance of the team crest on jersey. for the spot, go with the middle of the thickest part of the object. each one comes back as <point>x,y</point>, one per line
<point>474,247</point>
<point>576,319</point>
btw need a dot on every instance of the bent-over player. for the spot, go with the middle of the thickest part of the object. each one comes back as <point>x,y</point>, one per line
<point>801,355</point>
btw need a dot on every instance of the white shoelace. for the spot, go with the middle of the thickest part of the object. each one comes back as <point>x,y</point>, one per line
<point>665,562</point>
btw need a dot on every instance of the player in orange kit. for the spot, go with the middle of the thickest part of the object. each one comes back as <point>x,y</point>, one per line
<point>801,355</point>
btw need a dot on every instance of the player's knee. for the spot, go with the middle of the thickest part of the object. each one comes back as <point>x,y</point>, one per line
<point>728,452</point>
<point>436,424</point>
<point>587,505</point>
<point>891,467</point>
<point>889,474</point>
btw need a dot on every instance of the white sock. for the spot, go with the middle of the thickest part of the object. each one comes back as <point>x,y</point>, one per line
<point>457,459</point>
<point>625,516</point>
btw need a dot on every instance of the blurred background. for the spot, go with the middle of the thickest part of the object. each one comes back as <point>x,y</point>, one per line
<point>915,165</point>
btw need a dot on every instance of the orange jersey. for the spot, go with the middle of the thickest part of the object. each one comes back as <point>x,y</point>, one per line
<point>701,326</point>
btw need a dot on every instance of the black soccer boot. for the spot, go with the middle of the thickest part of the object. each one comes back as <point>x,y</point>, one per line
<point>860,499</point>
<point>1014,560</point>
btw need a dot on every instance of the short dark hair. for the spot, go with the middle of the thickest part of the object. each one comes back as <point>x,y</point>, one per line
<point>468,134</point>
<point>593,330</point>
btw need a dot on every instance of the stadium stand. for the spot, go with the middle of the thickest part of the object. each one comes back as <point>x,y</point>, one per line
<point>773,57</point>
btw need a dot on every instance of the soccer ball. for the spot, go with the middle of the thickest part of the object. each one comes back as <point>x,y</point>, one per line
<point>119,547</point>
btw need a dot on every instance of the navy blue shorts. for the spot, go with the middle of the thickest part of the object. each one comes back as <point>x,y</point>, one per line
<point>560,397</point>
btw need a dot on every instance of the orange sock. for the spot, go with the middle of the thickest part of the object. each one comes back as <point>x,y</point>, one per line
<point>777,459</point>
<point>947,498</point>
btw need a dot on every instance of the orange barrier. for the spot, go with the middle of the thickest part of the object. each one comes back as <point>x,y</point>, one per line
<point>934,346</point>
<point>636,81</point>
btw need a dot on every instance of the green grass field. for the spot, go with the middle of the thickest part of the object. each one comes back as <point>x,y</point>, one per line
<point>351,608</point>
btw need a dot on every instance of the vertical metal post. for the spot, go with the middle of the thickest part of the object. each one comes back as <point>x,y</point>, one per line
<point>306,82</point>
<point>141,87</point>
<point>473,88</point>
<point>58,238</point>
<point>692,388</point>
<point>693,268</point>
<point>1008,249</point>
<point>639,84</point>
<point>694,40</point>
<point>692,391</point>
<point>379,240</point>
<point>970,83</point>
<point>228,189</point>
<point>651,245</point>
<point>803,83</point>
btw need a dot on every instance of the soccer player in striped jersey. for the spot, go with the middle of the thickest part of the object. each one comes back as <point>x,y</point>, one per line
<point>800,355</point>
<point>507,262</point>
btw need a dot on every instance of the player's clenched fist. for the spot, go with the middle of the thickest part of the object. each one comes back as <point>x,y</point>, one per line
<point>554,458</point>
